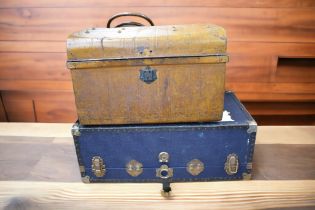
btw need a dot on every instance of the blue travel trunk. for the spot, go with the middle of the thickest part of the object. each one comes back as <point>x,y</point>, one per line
<point>169,153</point>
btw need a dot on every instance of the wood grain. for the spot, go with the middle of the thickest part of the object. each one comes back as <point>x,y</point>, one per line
<point>33,46</point>
<point>258,62</point>
<point>280,108</point>
<point>153,3</point>
<point>55,111</point>
<point>276,97</point>
<point>20,110</point>
<point>243,24</point>
<point>265,134</point>
<point>285,119</point>
<point>39,95</point>
<point>40,106</point>
<point>223,195</point>
<point>39,66</point>
<point>46,130</point>
<point>285,135</point>
<point>285,88</point>
<point>295,70</point>
<point>3,115</point>
<point>36,85</point>
<point>287,162</point>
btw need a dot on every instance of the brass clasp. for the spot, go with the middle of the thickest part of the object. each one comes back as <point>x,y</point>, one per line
<point>98,166</point>
<point>231,164</point>
<point>134,168</point>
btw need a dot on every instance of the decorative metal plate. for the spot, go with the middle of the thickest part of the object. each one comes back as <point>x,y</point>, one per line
<point>231,164</point>
<point>195,167</point>
<point>98,166</point>
<point>134,168</point>
<point>148,74</point>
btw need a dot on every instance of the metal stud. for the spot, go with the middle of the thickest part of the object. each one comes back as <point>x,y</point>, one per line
<point>134,168</point>
<point>164,157</point>
<point>195,167</point>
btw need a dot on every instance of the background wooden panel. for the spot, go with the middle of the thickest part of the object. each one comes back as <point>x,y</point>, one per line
<point>39,106</point>
<point>3,115</point>
<point>271,47</point>
<point>49,111</point>
<point>154,3</point>
<point>242,24</point>
<point>20,110</point>
<point>295,70</point>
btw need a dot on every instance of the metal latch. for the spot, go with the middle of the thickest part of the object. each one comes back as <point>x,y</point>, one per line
<point>231,164</point>
<point>164,172</point>
<point>98,166</point>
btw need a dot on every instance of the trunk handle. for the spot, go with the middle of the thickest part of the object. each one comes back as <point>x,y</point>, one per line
<point>129,23</point>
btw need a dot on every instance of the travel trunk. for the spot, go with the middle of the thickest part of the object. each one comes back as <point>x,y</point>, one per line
<point>149,74</point>
<point>167,153</point>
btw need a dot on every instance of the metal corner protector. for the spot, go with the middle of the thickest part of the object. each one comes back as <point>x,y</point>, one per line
<point>252,126</point>
<point>75,130</point>
<point>86,179</point>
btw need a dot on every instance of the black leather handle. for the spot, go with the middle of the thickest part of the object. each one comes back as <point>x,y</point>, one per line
<point>129,23</point>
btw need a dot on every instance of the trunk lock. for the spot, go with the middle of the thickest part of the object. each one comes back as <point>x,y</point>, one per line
<point>164,172</point>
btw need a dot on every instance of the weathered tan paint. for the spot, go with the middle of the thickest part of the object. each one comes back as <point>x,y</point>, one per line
<point>190,64</point>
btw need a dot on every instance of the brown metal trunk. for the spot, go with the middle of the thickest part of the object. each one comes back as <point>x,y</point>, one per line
<point>157,74</point>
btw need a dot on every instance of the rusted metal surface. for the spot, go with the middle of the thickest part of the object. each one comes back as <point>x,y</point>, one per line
<point>187,85</point>
<point>147,42</point>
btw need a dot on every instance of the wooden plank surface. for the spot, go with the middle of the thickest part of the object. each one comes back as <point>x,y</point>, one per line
<point>164,3</point>
<point>3,114</point>
<point>217,195</point>
<point>280,108</point>
<point>265,134</point>
<point>39,171</point>
<point>40,106</point>
<point>243,24</point>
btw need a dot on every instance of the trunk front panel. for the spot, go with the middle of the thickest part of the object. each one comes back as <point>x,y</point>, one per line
<point>179,93</point>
